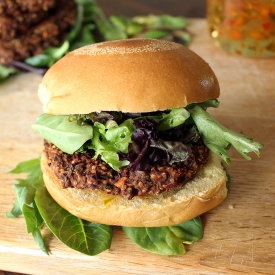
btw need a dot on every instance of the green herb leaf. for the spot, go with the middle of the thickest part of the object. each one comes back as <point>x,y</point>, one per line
<point>5,72</point>
<point>218,139</point>
<point>166,240</point>
<point>86,237</point>
<point>66,135</point>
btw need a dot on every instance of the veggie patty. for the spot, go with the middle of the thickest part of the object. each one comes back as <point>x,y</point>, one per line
<point>81,170</point>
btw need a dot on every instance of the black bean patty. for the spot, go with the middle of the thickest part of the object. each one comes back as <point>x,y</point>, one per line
<point>80,170</point>
<point>29,27</point>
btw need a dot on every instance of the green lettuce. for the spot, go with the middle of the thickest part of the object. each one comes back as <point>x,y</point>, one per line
<point>107,142</point>
<point>172,119</point>
<point>109,138</point>
<point>66,135</point>
<point>219,139</point>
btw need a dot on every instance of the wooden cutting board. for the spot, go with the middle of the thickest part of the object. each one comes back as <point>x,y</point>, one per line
<point>239,234</point>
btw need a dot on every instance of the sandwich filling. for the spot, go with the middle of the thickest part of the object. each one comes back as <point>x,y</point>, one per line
<point>153,157</point>
<point>136,154</point>
<point>81,170</point>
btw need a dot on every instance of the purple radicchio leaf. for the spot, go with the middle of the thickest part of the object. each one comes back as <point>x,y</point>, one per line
<point>138,153</point>
<point>175,151</point>
<point>149,145</point>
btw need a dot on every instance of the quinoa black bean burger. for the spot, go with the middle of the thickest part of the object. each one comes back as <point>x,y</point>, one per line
<point>128,140</point>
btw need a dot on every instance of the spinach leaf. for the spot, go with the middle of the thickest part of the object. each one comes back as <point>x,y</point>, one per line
<point>5,72</point>
<point>218,138</point>
<point>166,240</point>
<point>156,34</point>
<point>49,56</point>
<point>66,135</point>
<point>25,192</point>
<point>164,21</point>
<point>37,207</point>
<point>29,166</point>
<point>83,236</point>
<point>107,29</point>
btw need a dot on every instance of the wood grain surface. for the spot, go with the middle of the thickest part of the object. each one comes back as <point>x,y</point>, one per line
<point>239,234</point>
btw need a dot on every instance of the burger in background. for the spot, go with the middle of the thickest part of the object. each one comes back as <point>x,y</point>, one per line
<point>36,34</point>
<point>29,27</point>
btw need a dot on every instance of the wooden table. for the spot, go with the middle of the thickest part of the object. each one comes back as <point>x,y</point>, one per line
<point>239,234</point>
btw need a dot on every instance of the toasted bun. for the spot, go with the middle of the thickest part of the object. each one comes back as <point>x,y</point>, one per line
<point>134,75</point>
<point>197,196</point>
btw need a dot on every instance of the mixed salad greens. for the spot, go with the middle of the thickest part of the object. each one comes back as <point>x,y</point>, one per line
<point>93,26</point>
<point>113,136</point>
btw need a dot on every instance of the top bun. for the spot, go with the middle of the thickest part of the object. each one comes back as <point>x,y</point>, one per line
<point>132,75</point>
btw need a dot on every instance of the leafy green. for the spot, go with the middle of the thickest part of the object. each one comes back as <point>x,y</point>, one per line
<point>90,238</point>
<point>86,237</point>
<point>166,240</point>
<point>205,104</point>
<point>92,26</point>
<point>176,150</point>
<point>5,72</point>
<point>163,26</point>
<point>25,192</point>
<point>49,56</point>
<point>174,118</point>
<point>107,142</point>
<point>227,175</point>
<point>37,207</point>
<point>66,135</point>
<point>164,21</point>
<point>219,139</point>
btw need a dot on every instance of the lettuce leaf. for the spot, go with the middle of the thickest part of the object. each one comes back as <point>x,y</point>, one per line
<point>172,119</point>
<point>106,141</point>
<point>66,135</point>
<point>145,138</point>
<point>219,139</point>
<point>176,151</point>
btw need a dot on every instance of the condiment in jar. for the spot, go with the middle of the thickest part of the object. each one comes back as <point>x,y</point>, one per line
<point>243,27</point>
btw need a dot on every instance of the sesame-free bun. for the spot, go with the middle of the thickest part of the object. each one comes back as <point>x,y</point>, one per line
<point>205,191</point>
<point>132,75</point>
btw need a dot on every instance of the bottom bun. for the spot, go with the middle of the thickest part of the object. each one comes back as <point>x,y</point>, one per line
<point>202,193</point>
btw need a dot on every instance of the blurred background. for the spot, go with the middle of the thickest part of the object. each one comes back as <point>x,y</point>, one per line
<point>194,8</point>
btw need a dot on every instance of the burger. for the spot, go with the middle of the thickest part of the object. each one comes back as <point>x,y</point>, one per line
<point>128,140</point>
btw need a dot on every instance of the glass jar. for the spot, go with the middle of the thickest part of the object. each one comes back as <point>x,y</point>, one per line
<point>243,27</point>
